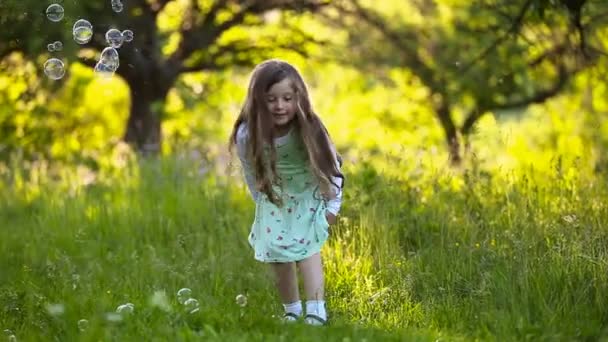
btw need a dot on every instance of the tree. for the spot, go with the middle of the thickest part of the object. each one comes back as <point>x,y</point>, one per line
<point>197,35</point>
<point>481,56</point>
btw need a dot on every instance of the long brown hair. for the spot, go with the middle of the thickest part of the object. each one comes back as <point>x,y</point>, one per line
<point>261,131</point>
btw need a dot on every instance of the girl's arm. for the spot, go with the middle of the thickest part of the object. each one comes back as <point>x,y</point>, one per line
<point>333,205</point>
<point>241,145</point>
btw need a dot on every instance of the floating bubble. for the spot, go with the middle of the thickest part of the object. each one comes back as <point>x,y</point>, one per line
<point>191,305</point>
<point>127,35</point>
<point>58,46</point>
<point>54,12</point>
<point>82,31</point>
<point>54,69</point>
<point>241,300</point>
<point>117,6</point>
<point>125,309</point>
<point>51,47</point>
<point>83,325</point>
<point>103,70</point>
<point>183,295</point>
<point>110,57</point>
<point>114,38</point>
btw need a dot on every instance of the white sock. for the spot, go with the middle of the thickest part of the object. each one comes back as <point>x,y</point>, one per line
<point>316,307</point>
<point>294,308</point>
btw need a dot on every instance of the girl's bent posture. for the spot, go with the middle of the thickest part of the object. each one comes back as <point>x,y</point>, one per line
<point>293,173</point>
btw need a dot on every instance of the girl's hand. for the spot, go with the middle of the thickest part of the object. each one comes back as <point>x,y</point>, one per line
<point>331,218</point>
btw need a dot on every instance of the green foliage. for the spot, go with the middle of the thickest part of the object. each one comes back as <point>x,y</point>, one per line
<point>81,120</point>
<point>509,247</point>
<point>479,57</point>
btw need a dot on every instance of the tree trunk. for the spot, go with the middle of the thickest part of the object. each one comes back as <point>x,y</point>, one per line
<point>148,90</point>
<point>143,130</point>
<point>451,133</point>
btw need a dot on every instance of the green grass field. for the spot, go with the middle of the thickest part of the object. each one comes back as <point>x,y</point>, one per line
<point>428,257</point>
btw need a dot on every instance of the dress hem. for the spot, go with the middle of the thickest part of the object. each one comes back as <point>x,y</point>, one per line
<point>276,260</point>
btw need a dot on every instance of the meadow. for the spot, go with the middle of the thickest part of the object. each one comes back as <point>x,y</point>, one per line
<point>121,218</point>
<point>437,254</point>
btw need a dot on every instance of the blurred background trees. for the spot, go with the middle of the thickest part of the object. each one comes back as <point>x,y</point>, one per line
<point>423,71</point>
<point>172,38</point>
<point>478,57</point>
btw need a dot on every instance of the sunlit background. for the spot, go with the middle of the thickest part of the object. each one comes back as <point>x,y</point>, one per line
<point>474,135</point>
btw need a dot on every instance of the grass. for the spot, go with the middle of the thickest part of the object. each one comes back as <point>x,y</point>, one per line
<point>450,257</point>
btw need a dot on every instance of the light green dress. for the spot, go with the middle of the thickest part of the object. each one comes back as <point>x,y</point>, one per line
<point>299,228</point>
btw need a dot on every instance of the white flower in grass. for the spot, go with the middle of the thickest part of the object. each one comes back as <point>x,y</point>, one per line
<point>113,317</point>
<point>55,309</point>
<point>159,300</point>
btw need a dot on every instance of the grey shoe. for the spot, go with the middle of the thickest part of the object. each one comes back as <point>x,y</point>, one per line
<point>314,320</point>
<point>290,317</point>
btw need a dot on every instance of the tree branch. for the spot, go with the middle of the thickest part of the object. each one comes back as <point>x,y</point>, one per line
<point>406,42</point>
<point>159,5</point>
<point>235,53</point>
<point>87,61</point>
<point>206,32</point>
<point>517,23</point>
<point>539,97</point>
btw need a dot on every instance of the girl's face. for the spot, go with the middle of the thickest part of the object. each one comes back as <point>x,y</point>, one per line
<point>281,102</point>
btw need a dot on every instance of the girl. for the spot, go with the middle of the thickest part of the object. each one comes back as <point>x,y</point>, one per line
<point>293,173</point>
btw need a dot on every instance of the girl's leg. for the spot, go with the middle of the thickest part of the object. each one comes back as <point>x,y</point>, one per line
<point>312,275</point>
<point>286,281</point>
<point>287,284</point>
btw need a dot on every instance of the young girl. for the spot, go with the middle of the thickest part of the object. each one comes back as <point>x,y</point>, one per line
<point>293,173</point>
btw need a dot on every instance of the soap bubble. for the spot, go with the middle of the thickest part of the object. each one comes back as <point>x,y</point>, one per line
<point>103,70</point>
<point>191,305</point>
<point>241,300</point>
<point>82,31</point>
<point>183,295</point>
<point>58,46</point>
<point>83,325</point>
<point>54,12</point>
<point>125,308</point>
<point>110,57</point>
<point>114,38</point>
<point>108,63</point>
<point>127,35</point>
<point>54,68</point>
<point>117,6</point>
